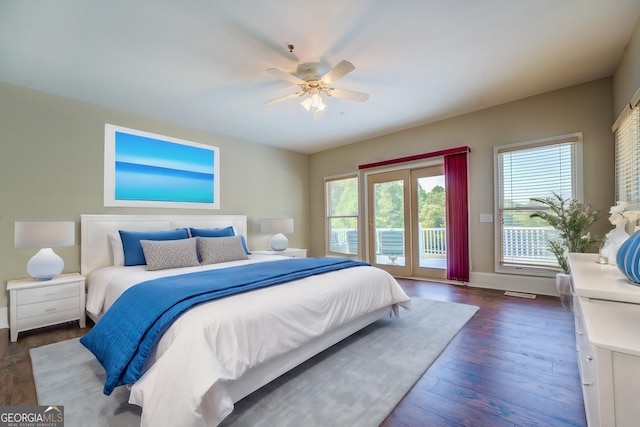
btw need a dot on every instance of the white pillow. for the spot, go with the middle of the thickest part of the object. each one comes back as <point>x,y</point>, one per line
<point>117,251</point>
<point>213,250</point>
<point>163,254</point>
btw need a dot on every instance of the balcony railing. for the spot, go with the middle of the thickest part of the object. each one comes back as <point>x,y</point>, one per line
<point>520,243</point>
<point>390,241</point>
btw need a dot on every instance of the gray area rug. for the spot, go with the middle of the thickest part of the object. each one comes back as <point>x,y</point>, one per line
<point>357,382</point>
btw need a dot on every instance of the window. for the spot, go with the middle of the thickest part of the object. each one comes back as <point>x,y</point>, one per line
<point>627,134</point>
<point>341,199</point>
<point>525,170</point>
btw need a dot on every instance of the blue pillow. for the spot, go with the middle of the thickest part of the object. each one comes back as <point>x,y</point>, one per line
<point>212,232</point>
<point>218,232</point>
<point>133,254</point>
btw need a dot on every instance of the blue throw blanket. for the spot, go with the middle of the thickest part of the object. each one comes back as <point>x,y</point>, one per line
<point>128,332</point>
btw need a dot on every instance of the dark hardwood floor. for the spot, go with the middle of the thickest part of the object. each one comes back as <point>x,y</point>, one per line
<point>513,364</point>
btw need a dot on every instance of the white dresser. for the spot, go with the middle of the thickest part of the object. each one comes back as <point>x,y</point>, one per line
<point>34,304</point>
<point>607,323</point>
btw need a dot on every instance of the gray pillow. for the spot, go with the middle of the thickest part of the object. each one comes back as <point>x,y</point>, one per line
<point>213,250</point>
<point>163,254</point>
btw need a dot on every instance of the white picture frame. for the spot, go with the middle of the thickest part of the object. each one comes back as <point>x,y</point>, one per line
<point>143,169</point>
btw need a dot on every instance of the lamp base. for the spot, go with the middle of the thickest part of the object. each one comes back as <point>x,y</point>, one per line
<point>45,265</point>
<point>279,242</point>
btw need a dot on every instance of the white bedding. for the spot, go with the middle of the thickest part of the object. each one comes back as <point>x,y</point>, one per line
<point>220,340</point>
<point>106,284</point>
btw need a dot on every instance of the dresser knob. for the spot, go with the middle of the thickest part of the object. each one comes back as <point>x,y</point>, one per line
<point>587,383</point>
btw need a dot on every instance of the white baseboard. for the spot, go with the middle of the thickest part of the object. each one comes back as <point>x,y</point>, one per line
<point>508,282</point>
<point>4,317</point>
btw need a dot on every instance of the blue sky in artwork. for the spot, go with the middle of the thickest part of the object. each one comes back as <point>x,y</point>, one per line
<point>142,150</point>
<point>149,169</point>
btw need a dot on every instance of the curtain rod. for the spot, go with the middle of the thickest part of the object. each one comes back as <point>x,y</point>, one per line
<point>447,152</point>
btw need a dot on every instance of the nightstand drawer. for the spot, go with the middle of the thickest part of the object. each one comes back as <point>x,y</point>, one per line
<point>47,293</point>
<point>48,307</point>
<point>48,319</point>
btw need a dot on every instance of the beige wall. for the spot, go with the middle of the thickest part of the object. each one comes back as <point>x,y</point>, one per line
<point>626,80</point>
<point>51,161</point>
<point>51,168</point>
<point>585,108</point>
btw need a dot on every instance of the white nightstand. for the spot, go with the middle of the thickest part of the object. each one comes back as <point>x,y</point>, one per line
<point>34,304</point>
<point>290,252</point>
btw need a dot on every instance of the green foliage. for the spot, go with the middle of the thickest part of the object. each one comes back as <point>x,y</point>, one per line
<point>572,220</point>
<point>389,208</point>
<point>389,198</point>
<point>344,201</point>
<point>432,207</point>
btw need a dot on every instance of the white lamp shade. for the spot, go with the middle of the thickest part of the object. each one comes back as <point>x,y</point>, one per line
<point>276,225</point>
<point>36,235</point>
<point>46,264</point>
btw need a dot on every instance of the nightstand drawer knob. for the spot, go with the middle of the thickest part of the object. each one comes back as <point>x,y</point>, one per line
<point>49,310</point>
<point>50,294</point>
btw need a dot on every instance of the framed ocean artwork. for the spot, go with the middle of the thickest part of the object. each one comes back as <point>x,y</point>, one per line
<point>148,170</point>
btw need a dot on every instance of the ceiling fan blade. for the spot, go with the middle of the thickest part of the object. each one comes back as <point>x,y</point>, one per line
<point>284,98</point>
<point>351,95</point>
<point>285,76</point>
<point>339,71</point>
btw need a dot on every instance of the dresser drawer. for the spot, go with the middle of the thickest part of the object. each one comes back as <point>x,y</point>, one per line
<point>48,307</point>
<point>48,293</point>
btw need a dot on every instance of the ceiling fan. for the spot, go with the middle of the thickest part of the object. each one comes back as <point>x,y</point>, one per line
<point>315,86</point>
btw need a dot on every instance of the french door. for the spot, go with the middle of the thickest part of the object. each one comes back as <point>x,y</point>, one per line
<point>406,222</point>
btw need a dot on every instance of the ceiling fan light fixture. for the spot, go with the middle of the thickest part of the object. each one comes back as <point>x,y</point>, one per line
<point>314,101</point>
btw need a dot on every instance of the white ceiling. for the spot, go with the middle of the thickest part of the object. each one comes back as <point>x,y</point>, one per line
<point>202,63</point>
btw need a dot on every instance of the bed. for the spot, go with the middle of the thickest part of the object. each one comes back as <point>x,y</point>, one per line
<point>220,351</point>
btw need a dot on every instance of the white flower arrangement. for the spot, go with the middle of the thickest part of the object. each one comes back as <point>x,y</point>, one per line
<point>620,215</point>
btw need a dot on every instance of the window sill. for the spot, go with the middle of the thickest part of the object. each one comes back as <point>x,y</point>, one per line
<point>528,271</point>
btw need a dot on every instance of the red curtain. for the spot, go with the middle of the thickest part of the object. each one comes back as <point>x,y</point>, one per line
<point>455,178</point>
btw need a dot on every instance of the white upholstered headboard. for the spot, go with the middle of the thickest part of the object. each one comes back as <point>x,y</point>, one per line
<point>95,251</point>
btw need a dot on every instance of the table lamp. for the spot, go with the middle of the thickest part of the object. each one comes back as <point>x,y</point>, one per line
<point>45,264</point>
<point>278,227</point>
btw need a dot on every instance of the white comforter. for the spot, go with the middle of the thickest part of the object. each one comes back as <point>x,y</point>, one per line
<point>220,340</point>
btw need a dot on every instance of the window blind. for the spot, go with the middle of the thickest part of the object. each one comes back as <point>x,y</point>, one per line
<point>532,169</point>
<point>627,157</point>
<point>536,171</point>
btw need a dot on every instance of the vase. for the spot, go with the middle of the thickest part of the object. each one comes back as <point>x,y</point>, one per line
<point>613,240</point>
<point>563,285</point>
<point>628,258</point>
